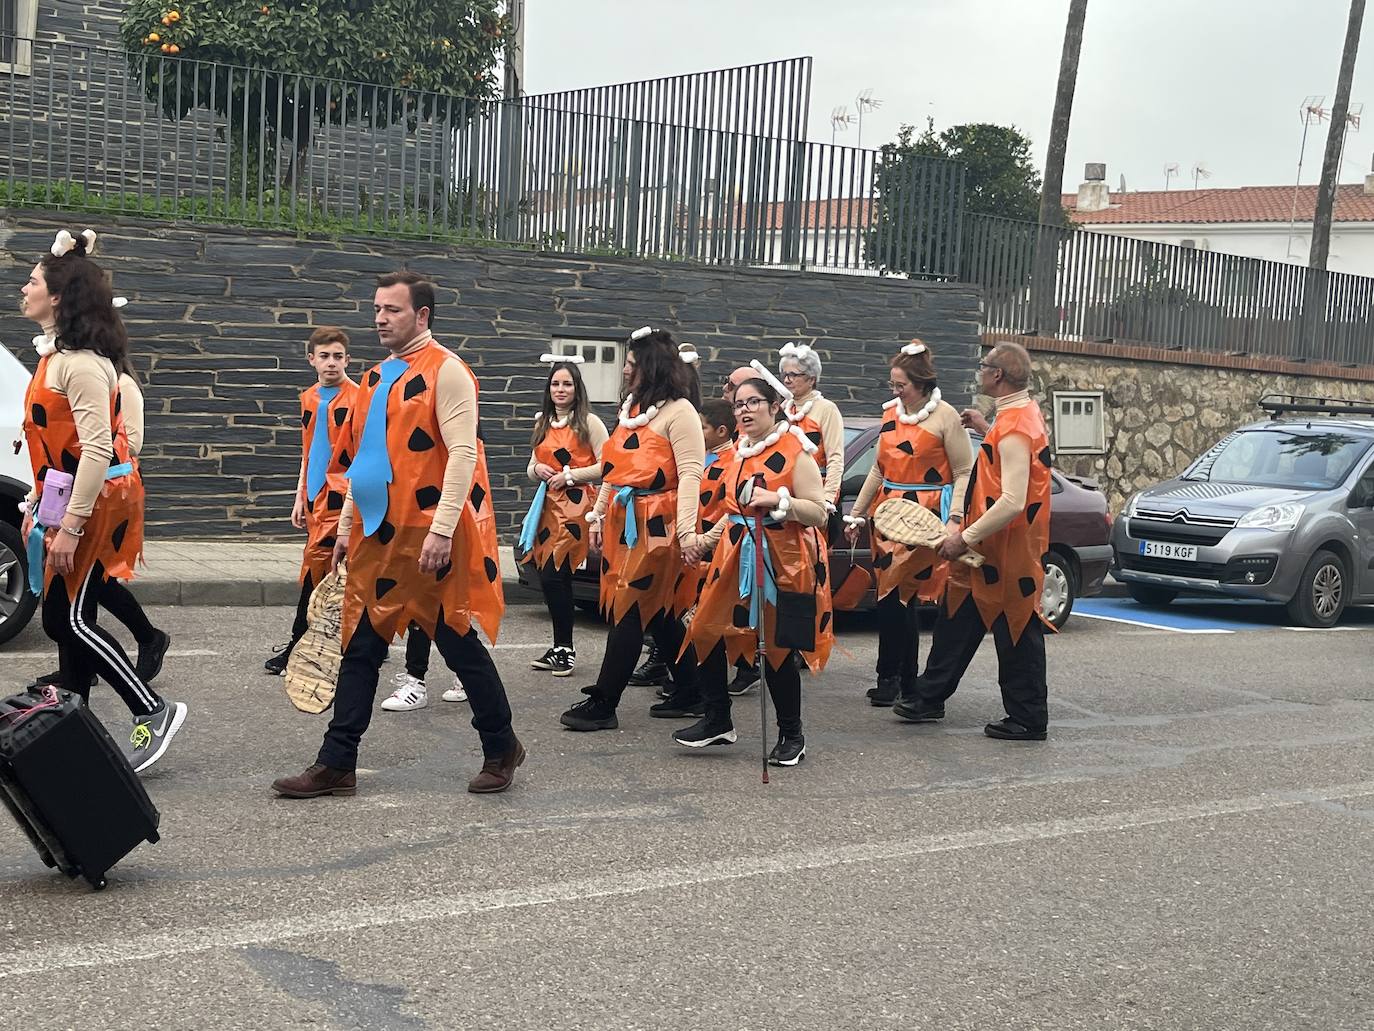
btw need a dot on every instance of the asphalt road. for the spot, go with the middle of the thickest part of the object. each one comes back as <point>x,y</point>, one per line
<point>1190,849</point>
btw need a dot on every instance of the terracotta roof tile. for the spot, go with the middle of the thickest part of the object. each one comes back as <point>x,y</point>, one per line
<point>1243,204</point>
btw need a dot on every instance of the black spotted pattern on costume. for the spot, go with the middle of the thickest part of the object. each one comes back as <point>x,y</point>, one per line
<point>605,565</point>
<point>660,480</point>
<point>477,495</point>
<point>345,459</point>
<point>333,501</point>
<point>889,427</point>
<point>987,502</point>
<point>912,495</point>
<point>705,498</point>
<point>906,447</point>
<point>657,526</point>
<point>643,583</point>
<point>414,387</point>
<point>740,617</point>
<point>715,575</point>
<point>882,561</point>
<point>117,538</point>
<point>562,456</point>
<point>385,532</point>
<point>340,414</point>
<point>119,403</point>
<point>382,586</point>
<point>820,574</point>
<point>631,442</point>
<point>1027,585</point>
<point>543,535</point>
<point>606,468</point>
<point>427,497</point>
<point>574,530</point>
<point>990,574</point>
<point>933,475</point>
<point>815,437</point>
<point>736,531</point>
<point>986,448</point>
<point>420,440</point>
<point>493,570</point>
<point>825,619</point>
<point>574,495</point>
<point>373,378</point>
<point>327,543</point>
<point>305,417</point>
<point>69,461</point>
<point>1033,510</point>
<point>776,462</point>
<point>443,571</point>
<point>926,573</point>
<point>1044,457</point>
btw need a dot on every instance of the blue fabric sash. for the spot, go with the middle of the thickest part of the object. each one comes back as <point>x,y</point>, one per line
<point>530,525</point>
<point>317,461</point>
<point>370,473</point>
<point>34,545</point>
<point>625,497</point>
<point>747,588</point>
<point>946,493</point>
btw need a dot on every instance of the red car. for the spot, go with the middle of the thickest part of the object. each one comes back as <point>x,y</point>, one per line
<point>1080,530</point>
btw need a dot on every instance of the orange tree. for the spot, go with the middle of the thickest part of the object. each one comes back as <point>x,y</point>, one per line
<point>370,63</point>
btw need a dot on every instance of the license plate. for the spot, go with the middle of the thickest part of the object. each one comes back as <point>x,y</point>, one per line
<point>1163,549</point>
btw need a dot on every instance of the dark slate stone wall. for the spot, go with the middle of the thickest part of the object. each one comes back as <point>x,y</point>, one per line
<point>219,319</point>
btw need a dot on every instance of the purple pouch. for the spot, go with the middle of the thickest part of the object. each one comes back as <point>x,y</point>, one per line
<point>57,494</point>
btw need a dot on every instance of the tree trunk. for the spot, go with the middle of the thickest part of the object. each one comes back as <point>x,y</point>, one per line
<point>1051,209</point>
<point>1314,301</point>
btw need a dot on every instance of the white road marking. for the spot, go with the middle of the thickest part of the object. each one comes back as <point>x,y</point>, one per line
<point>1150,626</point>
<point>173,654</point>
<point>324,926</point>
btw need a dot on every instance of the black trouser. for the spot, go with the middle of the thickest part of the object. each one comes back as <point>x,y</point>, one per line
<point>302,623</point>
<point>899,636</point>
<point>784,685</point>
<point>85,649</point>
<point>623,645</point>
<point>1020,666</point>
<point>558,597</point>
<point>464,654</point>
<point>417,652</point>
<point>120,602</point>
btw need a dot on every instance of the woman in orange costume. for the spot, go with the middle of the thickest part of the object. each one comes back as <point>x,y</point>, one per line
<point>555,537</point>
<point>73,426</point>
<point>774,476</point>
<point>923,455</point>
<point>651,473</point>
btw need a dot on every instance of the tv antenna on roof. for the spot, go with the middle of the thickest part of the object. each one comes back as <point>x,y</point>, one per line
<point>840,121</point>
<point>1200,171</point>
<point>1310,113</point>
<point>865,102</point>
<point>1170,170</point>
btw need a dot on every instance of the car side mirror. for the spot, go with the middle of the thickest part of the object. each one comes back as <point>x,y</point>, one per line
<point>1361,497</point>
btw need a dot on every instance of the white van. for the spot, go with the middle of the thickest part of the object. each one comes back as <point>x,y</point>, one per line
<point>17,605</point>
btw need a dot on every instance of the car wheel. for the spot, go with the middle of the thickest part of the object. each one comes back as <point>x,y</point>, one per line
<point>16,603</point>
<point>1060,591</point>
<point>1322,592</point>
<point>1147,595</point>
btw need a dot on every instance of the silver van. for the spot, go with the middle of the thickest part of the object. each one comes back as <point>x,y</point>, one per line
<point>1280,510</point>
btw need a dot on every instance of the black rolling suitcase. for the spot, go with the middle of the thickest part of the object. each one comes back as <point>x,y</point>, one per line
<point>69,786</point>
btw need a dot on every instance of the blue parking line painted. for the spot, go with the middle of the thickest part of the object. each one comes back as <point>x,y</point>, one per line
<point>1184,616</point>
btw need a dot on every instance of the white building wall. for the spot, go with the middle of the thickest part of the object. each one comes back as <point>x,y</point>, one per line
<point>1352,243</point>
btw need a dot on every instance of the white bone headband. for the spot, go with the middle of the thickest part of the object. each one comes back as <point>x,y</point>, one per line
<point>557,359</point>
<point>641,332</point>
<point>914,349</point>
<point>690,357</point>
<point>64,243</point>
<point>120,302</point>
<point>791,349</point>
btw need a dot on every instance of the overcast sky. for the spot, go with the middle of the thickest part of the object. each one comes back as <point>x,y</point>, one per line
<point>1213,81</point>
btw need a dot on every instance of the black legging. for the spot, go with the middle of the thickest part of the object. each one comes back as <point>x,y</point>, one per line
<point>784,685</point>
<point>120,602</point>
<point>623,645</point>
<point>558,597</point>
<point>85,649</point>
<point>899,636</point>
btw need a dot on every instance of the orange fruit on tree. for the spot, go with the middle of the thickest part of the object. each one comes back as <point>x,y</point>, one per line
<point>166,48</point>
<point>153,37</point>
<point>174,49</point>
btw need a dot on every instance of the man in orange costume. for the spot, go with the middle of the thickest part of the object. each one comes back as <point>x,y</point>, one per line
<point>1007,519</point>
<point>425,550</point>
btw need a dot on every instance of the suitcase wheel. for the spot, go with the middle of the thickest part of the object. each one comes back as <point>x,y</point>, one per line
<point>98,883</point>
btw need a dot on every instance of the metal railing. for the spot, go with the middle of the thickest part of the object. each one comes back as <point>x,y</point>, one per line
<point>1054,281</point>
<point>88,130</point>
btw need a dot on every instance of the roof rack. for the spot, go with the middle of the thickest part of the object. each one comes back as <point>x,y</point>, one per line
<point>1278,404</point>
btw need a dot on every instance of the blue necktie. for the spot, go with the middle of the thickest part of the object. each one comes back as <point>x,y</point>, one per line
<point>317,463</point>
<point>370,473</point>
<point>711,456</point>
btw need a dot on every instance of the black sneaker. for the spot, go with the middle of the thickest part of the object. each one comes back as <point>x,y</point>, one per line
<point>652,672</point>
<point>886,692</point>
<point>1009,730</point>
<point>276,665</point>
<point>706,732</point>
<point>788,751</point>
<point>545,661</point>
<point>664,690</point>
<point>150,657</point>
<point>915,711</point>
<point>563,662</point>
<point>677,707</point>
<point>54,679</point>
<point>590,714</point>
<point>745,678</point>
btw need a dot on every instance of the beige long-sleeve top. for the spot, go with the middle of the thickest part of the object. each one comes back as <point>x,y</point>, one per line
<point>1014,452</point>
<point>680,423</point>
<point>808,500</point>
<point>831,422</point>
<point>87,379</point>
<point>455,406</point>
<point>131,407</point>
<point>944,422</point>
<point>596,437</point>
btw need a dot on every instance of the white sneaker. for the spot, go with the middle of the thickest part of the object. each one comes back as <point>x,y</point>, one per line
<point>409,694</point>
<point>456,692</point>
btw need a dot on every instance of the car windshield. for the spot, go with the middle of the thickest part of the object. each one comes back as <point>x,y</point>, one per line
<point>1303,459</point>
<point>851,434</point>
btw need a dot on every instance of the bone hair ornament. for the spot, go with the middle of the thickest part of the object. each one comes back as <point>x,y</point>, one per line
<point>914,348</point>
<point>689,357</point>
<point>558,359</point>
<point>64,242</point>
<point>642,419</point>
<point>915,417</point>
<point>792,349</point>
<point>641,332</point>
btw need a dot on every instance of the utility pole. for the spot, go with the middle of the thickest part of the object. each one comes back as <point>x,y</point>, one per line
<point>1051,208</point>
<point>1314,300</point>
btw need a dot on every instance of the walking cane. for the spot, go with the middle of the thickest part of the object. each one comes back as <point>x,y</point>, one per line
<point>760,656</point>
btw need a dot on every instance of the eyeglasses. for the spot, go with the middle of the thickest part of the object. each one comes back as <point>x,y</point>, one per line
<point>795,375</point>
<point>989,365</point>
<point>894,387</point>
<point>750,403</point>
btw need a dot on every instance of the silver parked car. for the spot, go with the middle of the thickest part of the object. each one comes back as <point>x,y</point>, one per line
<point>1280,510</point>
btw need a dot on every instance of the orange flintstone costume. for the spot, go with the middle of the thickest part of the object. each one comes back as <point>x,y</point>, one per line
<point>914,466</point>
<point>322,511</point>
<point>384,579</point>
<point>561,536</point>
<point>710,510</point>
<point>113,535</point>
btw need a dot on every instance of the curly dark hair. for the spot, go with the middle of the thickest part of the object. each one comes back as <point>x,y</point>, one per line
<point>85,316</point>
<point>660,375</point>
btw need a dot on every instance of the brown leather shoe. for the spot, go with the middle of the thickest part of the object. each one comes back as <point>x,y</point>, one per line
<point>316,781</point>
<point>497,774</point>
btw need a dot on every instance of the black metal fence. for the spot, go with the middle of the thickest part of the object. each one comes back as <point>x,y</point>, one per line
<point>1053,281</point>
<point>252,146</point>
